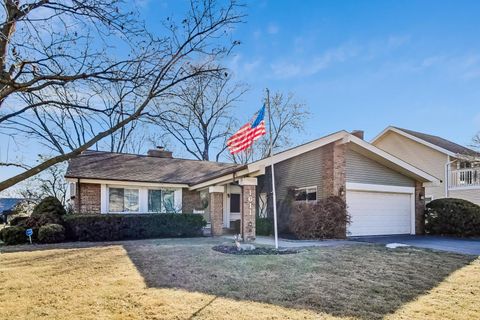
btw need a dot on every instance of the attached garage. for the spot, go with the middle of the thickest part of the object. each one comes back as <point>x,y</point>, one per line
<point>384,195</point>
<point>380,209</point>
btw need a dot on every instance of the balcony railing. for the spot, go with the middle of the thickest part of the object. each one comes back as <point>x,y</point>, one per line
<point>464,178</point>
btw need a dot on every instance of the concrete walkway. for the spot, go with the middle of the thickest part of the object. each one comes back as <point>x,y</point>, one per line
<point>450,244</point>
<point>285,243</point>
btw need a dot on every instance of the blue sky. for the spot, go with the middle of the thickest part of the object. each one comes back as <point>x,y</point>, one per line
<point>360,64</point>
<point>368,64</point>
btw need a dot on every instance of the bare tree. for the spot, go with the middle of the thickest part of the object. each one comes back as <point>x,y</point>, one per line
<point>51,182</point>
<point>53,85</point>
<point>476,141</point>
<point>288,118</point>
<point>200,115</point>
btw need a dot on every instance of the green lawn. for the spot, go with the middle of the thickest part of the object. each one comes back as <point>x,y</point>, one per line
<point>184,278</point>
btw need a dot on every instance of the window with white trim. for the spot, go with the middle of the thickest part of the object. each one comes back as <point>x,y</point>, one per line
<point>161,201</point>
<point>168,200</point>
<point>154,200</point>
<point>123,200</point>
<point>306,194</point>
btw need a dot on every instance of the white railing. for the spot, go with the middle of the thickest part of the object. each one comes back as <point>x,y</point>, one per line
<point>464,178</point>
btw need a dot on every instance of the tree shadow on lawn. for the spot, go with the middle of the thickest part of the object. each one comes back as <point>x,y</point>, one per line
<point>364,281</point>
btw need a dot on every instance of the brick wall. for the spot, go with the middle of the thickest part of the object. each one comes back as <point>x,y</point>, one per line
<point>334,175</point>
<point>216,213</point>
<point>190,201</point>
<point>88,198</point>
<point>248,209</point>
<point>334,170</point>
<point>419,208</point>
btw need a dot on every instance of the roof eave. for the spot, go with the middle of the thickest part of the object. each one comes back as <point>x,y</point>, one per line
<point>106,180</point>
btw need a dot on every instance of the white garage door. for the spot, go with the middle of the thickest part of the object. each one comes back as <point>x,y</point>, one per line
<point>379,213</point>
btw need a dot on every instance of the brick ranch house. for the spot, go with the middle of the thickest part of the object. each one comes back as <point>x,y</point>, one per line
<point>384,194</point>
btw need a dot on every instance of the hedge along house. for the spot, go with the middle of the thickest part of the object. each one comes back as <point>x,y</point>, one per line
<point>384,194</point>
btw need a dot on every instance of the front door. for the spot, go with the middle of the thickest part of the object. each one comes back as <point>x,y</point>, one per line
<point>232,208</point>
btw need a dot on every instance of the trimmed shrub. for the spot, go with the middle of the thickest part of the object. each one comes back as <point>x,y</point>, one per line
<point>18,221</point>
<point>38,220</point>
<point>323,219</point>
<point>49,205</point>
<point>51,233</point>
<point>452,216</point>
<point>107,227</point>
<point>14,235</point>
<point>263,227</point>
<point>49,211</point>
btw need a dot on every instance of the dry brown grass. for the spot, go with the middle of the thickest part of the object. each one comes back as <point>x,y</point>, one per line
<point>175,280</point>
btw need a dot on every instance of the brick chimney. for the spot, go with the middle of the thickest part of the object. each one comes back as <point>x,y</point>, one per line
<point>358,133</point>
<point>159,152</point>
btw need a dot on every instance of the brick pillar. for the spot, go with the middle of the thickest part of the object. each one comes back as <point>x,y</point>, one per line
<point>249,207</point>
<point>419,208</point>
<point>216,209</point>
<point>334,170</point>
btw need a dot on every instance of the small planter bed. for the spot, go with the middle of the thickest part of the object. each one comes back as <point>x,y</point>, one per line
<point>256,251</point>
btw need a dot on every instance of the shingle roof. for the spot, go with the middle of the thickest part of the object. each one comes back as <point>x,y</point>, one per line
<point>142,168</point>
<point>442,143</point>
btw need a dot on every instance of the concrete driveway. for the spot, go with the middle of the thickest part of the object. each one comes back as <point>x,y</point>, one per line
<point>457,245</point>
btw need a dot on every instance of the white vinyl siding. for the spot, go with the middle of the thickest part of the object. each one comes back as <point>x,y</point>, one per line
<point>361,169</point>
<point>472,195</point>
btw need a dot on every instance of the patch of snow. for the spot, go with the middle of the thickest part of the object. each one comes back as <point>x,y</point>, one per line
<point>396,245</point>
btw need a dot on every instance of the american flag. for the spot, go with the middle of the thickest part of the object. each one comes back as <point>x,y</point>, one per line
<point>244,138</point>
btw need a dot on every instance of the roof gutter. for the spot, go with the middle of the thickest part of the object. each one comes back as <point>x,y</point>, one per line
<point>222,179</point>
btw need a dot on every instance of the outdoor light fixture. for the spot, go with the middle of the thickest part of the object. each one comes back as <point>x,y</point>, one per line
<point>421,196</point>
<point>341,192</point>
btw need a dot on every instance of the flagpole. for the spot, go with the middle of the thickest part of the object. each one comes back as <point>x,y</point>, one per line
<point>275,228</point>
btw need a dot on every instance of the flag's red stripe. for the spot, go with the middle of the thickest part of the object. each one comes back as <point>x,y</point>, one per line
<point>241,139</point>
<point>245,137</point>
<point>247,142</point>
<point>240,145</point>
<point>246,134</point>
<point>239,134</point>
<point>245,146</point>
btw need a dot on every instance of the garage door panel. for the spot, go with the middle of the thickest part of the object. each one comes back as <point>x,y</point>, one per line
<point>378,213</point>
